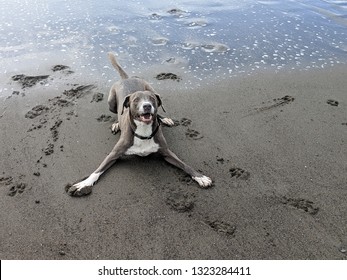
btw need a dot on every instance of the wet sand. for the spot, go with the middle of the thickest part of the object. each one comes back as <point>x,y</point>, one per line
<point>274,144</point>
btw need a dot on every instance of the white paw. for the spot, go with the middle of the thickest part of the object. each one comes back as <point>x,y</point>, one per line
<point>90,181</point>
<point>203,181</point>
<point>79,189</point>
<point>83,184</point>
<point>84,187</point>
<point>115,128</point>
<point>167,121</point>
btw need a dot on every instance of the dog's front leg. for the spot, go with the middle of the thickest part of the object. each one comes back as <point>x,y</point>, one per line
<point>84,187</point>
<point>201,179</point>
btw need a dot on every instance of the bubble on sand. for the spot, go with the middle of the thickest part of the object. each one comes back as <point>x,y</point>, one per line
<point>177,12</point>
<point>155,16</point>
<point>197,23</point>
<point>113,29</point>
<point>161,41</point>
<point>175,61</point>
<point>220,48</point>
<point>131,41</point>
<point>189,45</point>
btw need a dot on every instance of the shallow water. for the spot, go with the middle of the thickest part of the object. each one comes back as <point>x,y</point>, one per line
<point>197,39</point>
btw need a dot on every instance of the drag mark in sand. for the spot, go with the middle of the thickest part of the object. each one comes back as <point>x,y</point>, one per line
<point>49,116</point>
<point>53,110</point>
<point>29,81</point>
<point>78,91</point>
<point>278,102</point>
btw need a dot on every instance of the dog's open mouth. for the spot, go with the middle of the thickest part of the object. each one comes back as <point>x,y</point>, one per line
<point>146,118</point>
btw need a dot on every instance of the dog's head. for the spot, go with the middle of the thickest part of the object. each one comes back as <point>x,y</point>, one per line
<point>143,105</point>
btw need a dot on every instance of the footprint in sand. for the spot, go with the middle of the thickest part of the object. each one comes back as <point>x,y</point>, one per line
<point>221,226</point>
<point>239,173</point>
<point>17,188</point>
<point>185,122</point>
<point>168,76</point>
<point>300,203</point>
<point>186,179</point>
<point>180,201</point>
<point>36,111</point>
<point>193,134</point>
<point>6,180</point>
<point>105,118</point>
<point>333,102</point>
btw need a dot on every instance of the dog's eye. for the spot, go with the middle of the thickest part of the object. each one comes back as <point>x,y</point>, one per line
<point>136,99</point>
<point>152,99</point>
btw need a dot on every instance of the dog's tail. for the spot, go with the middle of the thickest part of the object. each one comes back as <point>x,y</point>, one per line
<point>115,64</point>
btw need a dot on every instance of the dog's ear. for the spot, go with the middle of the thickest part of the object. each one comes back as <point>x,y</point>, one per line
<point>160,103</point>
<point>126,103</point>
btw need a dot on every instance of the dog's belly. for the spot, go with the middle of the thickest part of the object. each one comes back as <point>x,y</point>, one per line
<point>142,147</point>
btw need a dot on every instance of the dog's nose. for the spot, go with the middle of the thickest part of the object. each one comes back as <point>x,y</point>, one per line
<point>147,107</point>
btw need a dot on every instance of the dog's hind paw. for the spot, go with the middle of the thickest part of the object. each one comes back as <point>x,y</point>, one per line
<point>167,121</point>
<point>75,190</point>
<point>203,181</point>
<point>84,187</point>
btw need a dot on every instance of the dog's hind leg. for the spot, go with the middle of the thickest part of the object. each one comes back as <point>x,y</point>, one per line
<point>201,179</point>
<point>84,187</point>
<point>112,101</point>
<point>112,104</point>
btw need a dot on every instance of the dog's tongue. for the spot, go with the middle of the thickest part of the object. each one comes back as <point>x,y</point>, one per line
<point>146,118</point>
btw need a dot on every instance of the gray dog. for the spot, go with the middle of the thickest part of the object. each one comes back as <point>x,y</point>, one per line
<point>136,104</point>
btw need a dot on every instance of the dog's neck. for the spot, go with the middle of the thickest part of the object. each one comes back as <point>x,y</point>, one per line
<point>146,131</point>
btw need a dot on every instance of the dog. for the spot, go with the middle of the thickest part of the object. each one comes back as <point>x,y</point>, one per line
<point>136,103</point>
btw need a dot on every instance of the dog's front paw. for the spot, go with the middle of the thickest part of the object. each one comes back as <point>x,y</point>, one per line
<point>78,189</point>
<point>115,128</point>
<point>167,121</point>
<point>203,181</point>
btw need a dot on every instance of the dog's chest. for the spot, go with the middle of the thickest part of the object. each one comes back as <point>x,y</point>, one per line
<point>143,147</point>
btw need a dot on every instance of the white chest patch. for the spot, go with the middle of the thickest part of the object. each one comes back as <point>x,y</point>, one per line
<point>143,147</point>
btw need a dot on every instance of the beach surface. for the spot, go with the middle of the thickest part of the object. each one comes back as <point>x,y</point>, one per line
<point>274,144</point>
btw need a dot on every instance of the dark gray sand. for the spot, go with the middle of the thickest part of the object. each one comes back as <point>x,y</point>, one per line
<point>274,144</point>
